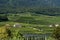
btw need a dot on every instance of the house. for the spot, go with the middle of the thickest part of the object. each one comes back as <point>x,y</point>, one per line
<point>50,25</point>
<point>56,25</point>
<point>17,25</point>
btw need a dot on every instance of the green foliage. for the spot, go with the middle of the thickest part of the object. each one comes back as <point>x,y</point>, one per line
<point>56,33</point>
<point>37,10</point>
<point>4,32</point>
<point>3,18</point>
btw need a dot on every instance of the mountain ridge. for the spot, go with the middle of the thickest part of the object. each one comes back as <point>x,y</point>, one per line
<point>30,3</point>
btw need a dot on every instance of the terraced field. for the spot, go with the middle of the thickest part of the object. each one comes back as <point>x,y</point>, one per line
<point>31,24</point>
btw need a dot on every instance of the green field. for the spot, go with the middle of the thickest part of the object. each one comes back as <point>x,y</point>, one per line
<point>31,23</point>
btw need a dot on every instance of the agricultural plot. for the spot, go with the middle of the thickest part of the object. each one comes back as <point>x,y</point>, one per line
<point>30,25</point>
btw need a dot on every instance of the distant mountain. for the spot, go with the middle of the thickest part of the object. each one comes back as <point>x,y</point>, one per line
<point>30,3</point>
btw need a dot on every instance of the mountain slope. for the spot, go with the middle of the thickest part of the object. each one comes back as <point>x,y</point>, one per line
<point>28,3</point>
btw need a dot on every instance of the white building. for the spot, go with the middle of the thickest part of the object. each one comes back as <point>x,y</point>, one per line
<point>17,25</point>
<point>56,25</point>
<point>50,25</point>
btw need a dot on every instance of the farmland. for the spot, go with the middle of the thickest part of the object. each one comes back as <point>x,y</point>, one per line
<point>31,24</point>
<point>29,20</point>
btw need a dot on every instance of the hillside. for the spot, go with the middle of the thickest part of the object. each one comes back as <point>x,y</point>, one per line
<point>30,3</point>
<point>29,19</point>
<point>45,7</point>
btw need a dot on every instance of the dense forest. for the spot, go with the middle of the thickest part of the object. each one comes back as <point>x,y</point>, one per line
<point>36,10</point>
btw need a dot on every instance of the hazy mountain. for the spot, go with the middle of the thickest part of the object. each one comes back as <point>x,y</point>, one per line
<point>30,3</point>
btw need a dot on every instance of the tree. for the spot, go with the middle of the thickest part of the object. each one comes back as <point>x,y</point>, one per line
<point>56,33</point>
<point>3,18</point>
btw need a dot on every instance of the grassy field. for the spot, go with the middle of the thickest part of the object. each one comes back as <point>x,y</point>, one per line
<point>34,24</point>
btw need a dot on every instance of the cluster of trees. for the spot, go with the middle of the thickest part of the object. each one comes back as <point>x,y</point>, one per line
<point>56,33</point>
<point>3,18</point>
<point>7,34</point>
<point>37,10</point>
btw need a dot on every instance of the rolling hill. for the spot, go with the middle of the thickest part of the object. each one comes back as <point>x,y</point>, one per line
<point>29,3</point>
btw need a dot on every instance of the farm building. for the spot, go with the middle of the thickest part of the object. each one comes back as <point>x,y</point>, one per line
<point>54,25</point>
<point>17,25</point>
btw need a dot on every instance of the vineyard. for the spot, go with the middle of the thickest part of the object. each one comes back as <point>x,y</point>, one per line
<point>27,25</point>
